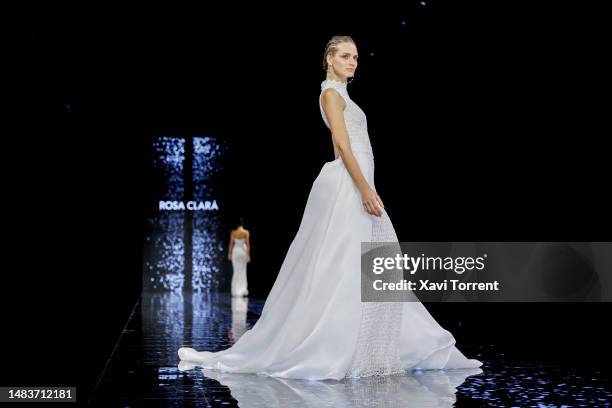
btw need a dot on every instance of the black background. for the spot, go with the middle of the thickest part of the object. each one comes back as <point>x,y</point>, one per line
<point>486,123</point>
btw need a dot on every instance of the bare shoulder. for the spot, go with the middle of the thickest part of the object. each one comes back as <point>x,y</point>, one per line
<point>332,98</point>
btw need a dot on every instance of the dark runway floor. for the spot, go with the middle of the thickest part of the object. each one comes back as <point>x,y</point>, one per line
<point>144,369</point>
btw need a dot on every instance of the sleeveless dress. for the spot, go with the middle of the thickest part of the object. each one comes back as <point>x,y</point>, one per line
<point>239,266</point>
<point>313,324</point>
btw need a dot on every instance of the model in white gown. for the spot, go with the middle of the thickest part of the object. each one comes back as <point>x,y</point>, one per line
<point>239,266</point>
<point>313,324</point>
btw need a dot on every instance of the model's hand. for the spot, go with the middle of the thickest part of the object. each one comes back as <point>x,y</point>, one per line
<point>372,202</point>
<point>229,257</point>
<point>248,258</point>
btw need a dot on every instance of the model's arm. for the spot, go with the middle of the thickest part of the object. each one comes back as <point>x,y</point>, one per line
<point>333,104</point>
<point>230,246</point>
<point>248,246</point>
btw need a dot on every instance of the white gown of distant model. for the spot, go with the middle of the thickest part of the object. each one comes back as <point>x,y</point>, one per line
<point>313,324</point>
<point>239,266</point>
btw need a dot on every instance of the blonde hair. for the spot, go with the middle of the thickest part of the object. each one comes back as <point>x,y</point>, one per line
<point>332,46</point>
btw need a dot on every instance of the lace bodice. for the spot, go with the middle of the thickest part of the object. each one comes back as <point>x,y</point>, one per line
<point>354,118</point>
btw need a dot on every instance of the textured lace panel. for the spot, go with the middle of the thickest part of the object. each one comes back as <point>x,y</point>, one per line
<point>377,351</point>
<point>354,117</point>
<point>364,147</point>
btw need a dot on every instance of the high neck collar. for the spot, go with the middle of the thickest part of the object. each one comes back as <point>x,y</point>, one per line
<point>334,82</point>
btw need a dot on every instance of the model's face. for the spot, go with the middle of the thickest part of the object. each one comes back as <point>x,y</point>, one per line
<point>344,62</point>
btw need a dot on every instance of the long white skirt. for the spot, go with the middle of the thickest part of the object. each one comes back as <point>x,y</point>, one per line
<point>239,285</point>
<point>313,324</point>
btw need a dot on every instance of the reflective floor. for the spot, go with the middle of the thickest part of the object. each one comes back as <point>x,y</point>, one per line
<point>144,369</point>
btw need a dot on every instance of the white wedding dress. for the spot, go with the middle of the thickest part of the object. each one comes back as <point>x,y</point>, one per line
<point>239,285</point>
<point>313,324</point>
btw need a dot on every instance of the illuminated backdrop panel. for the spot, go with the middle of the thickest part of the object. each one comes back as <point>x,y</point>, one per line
<point>184,244</point>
